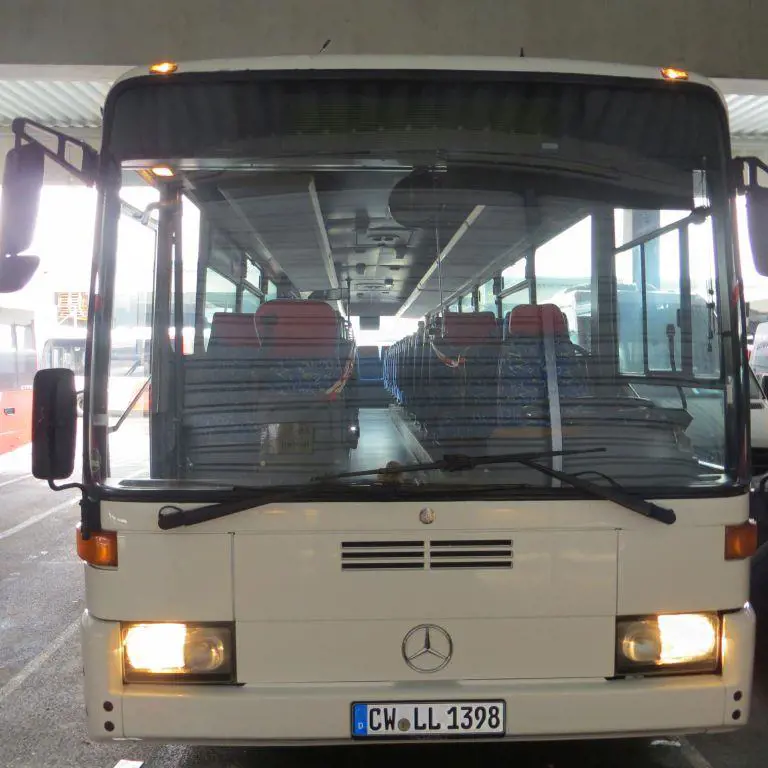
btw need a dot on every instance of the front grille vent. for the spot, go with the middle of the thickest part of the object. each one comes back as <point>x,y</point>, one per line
<point>470,553</point>
<point>382,555</point>
<point>443,554</point>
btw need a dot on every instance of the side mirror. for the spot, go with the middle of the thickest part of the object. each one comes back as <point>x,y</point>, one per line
<point>22,184</point>
<point>757,219</point>
<point>16,272</point>
<point>54,424</point>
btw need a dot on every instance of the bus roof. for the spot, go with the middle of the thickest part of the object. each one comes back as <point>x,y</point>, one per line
<point>454,63</point>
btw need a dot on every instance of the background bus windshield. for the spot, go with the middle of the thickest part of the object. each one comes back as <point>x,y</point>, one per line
<point>544,276</point>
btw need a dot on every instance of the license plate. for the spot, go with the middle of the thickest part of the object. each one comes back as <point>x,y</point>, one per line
<point>415,719</point>
<point>295,438</point>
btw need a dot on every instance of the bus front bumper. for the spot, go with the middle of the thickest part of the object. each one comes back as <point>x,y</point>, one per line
<point>322,713</point>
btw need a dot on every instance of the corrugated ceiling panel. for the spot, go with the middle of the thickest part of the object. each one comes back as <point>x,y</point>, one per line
<point>748,116</point>
<point>57,103</point>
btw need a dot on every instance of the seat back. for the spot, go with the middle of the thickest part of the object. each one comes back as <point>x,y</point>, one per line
<point>462,370</point>
<point>522,374</point>
<point>267,395</point>
<point>233,330</point>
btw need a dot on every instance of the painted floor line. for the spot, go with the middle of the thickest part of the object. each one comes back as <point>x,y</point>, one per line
<point>37,518</point>
<point>58,508</point>
<point>38,662</point>
<point>693,757</point>
<point>15,480</point>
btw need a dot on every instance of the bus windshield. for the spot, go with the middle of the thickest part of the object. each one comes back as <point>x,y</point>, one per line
<point>371,275</point>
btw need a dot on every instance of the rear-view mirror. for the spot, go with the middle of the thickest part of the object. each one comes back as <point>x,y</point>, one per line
<point>54,424</point>
<point>22,184</point>
<point>763,379</point>
<point>757,219</point>
<point>16,272</point>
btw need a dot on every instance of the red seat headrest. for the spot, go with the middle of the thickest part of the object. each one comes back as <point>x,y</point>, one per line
<point>469,327</point>
<point>532,320</point>
<point>295,322</point>
<point>234,330</point>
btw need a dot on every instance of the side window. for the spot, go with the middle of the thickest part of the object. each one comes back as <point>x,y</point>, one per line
<point>271,291</point>
<point>7,358</point>
<point>251,301</point>
<point>515,289</point>
<point>487,301</point>
<point>563,272</point>
<point>665,284</point>
<point>220,294</point>
<point>705,330</point>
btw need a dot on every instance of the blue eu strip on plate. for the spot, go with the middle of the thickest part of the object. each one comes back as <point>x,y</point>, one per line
<point>360,716</point>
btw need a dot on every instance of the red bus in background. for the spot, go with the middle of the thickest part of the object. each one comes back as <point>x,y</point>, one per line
<point>18,364</point>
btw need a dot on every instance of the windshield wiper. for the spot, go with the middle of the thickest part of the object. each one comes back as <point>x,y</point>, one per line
<point>319,488</point>
<point>460,462</point>
<point>247,498</point>
<point>614,493</point>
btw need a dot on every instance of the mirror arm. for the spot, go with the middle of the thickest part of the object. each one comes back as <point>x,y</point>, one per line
<point>90,510</point>
<point>751,165</point>
<point>88,170</point>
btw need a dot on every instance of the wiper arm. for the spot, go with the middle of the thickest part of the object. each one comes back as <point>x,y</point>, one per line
<point>456,462</point>
<point>174,517</point>
<point>613,493</point>
<point>459,462</point>
<point>247,498</point>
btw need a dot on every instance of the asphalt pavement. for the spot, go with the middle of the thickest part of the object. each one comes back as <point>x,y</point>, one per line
<point>41,700</point>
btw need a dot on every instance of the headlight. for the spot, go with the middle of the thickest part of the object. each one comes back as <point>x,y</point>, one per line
<point>683,642</point>
<point>194,653</point>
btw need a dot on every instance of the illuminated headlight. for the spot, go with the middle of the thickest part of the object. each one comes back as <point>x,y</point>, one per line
<point>683,642</point>
<point>194,653</point>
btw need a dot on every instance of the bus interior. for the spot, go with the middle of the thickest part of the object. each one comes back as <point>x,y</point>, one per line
<point>381,315</point>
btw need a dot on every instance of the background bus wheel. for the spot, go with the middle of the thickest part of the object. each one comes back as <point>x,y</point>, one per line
<point>80,403</point>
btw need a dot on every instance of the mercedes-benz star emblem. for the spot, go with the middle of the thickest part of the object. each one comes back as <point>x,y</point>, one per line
<point>427,648</point>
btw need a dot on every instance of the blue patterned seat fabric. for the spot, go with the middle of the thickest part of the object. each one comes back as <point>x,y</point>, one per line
<point>522,377</point>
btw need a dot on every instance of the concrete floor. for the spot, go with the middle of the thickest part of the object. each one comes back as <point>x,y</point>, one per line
<point>41,710</point>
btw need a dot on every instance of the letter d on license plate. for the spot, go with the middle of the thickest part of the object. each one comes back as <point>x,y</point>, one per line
<point>417,719</point>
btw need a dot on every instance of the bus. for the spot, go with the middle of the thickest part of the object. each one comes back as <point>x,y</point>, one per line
<point>528,536</point>
<point>128,388</point>
<point>17,370</point>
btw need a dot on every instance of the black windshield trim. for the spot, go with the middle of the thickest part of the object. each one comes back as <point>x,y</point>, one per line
<point>325,494</point>
<point>219,77</point>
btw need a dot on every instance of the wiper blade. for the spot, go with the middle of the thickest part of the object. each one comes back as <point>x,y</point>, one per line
<point>456,462</point>
<point>460,462</point>
<point>248,498</point>
<point>614,493</point>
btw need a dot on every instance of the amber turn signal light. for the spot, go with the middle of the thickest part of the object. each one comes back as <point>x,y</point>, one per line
<point>673,73</point>
<point>100,549</point>
<point>163,68</point>
<point>740,540</point>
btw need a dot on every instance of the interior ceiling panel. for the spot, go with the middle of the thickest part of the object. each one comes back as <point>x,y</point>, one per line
<point>492,238</point>
<point>287,223</point>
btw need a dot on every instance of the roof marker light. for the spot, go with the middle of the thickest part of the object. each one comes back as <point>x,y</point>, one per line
<point>163,68</point>
<point>672,73</point>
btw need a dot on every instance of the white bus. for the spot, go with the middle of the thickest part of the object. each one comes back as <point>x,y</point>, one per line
<point>529,538</point>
